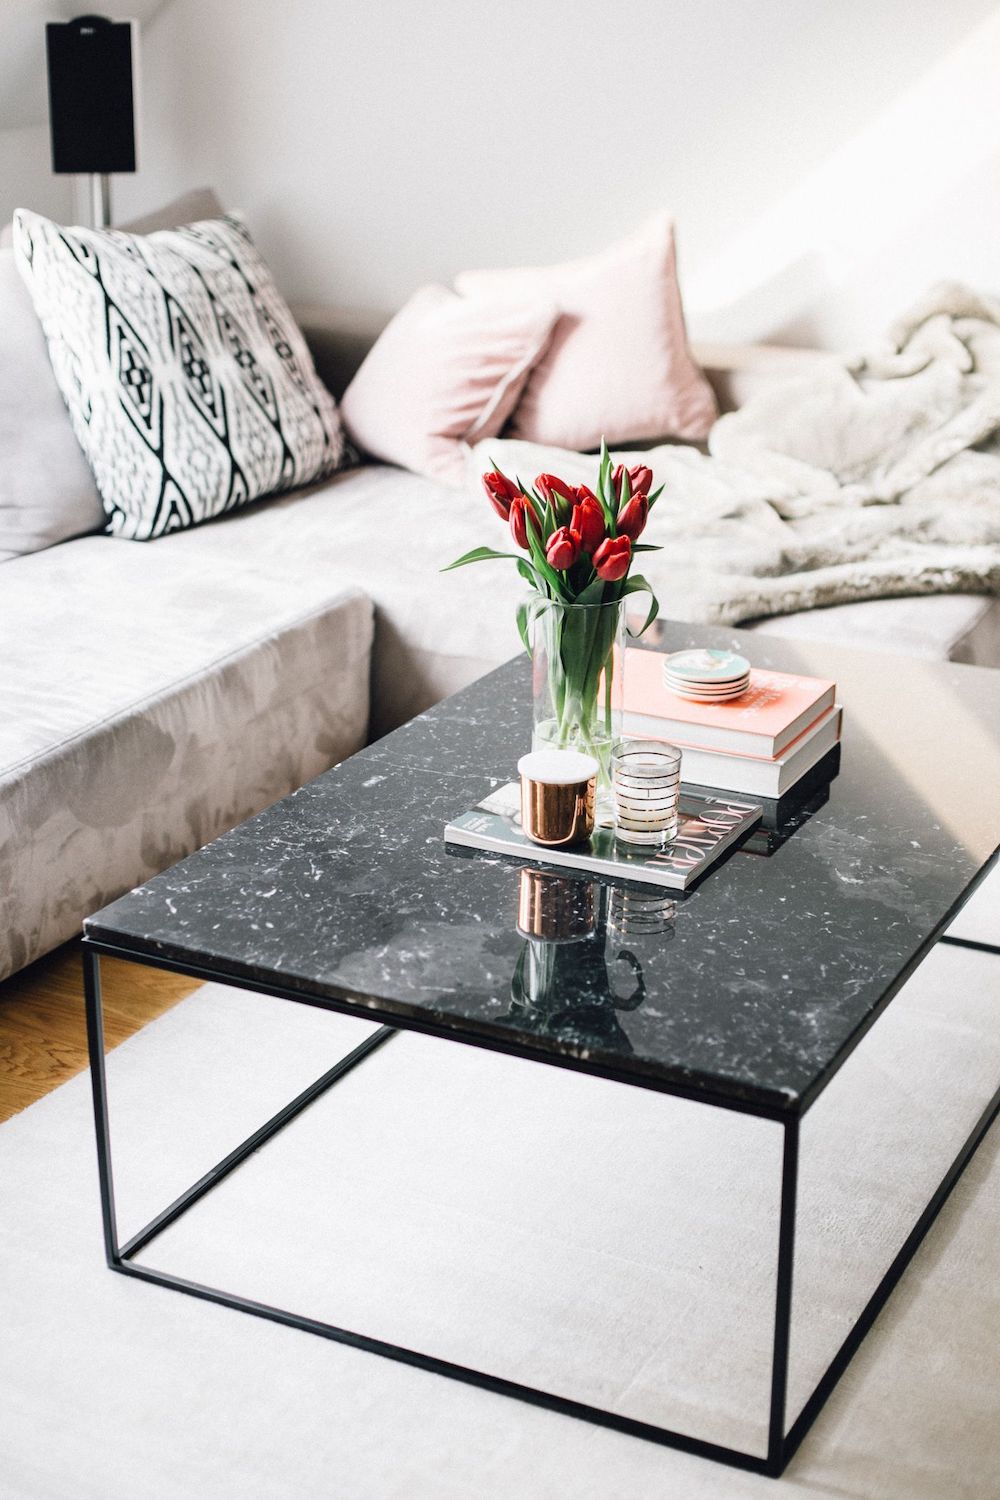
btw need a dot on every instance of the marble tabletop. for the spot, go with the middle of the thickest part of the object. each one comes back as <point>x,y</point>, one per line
<point>751,989</point>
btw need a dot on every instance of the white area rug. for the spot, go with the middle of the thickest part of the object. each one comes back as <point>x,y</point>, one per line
<point>602,1241</point>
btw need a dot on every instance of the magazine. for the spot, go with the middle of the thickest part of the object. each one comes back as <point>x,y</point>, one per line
<point>708,826</point>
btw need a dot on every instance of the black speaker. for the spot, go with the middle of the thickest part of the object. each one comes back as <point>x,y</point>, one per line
<point>91,104</point>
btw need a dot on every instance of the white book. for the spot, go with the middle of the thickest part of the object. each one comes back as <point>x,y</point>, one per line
<point>753,775</point>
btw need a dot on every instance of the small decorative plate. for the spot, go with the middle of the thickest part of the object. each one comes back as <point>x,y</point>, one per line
<point>704,667</point>
<point>706,676</point>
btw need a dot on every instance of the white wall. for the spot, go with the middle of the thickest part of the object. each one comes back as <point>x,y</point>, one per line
<point>377,144</point>
<point>26,176</point>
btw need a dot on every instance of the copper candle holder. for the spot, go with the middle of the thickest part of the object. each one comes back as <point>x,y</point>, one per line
<point>558,796</point>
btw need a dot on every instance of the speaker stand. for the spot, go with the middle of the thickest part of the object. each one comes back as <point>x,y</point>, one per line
<point>100,200</point>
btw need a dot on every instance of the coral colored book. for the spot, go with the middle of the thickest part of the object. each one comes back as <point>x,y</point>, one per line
<point>775,709</point>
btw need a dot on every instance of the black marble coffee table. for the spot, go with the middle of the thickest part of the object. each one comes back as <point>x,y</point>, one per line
<point>748,994</point>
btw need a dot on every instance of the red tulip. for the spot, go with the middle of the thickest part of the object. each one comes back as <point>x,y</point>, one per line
<point>632,520</point>
<point>521,517</point>
<point>500,491</point>
<point>563,549</point>
<point>547,484</point>
<point>612,558</point>
<point>553,489</point>
<point>639,479</point>
<point>588,520</point>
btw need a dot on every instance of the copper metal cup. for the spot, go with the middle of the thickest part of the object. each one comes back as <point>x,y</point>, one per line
<point>558,797</point>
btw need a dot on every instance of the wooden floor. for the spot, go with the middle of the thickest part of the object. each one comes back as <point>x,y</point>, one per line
<point>43,1038</point>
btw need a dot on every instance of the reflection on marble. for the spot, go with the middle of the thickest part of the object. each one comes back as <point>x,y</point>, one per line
<point>634,912</point>
<point>566,980</point>
<point>346,889</point>
<point>785,815</point>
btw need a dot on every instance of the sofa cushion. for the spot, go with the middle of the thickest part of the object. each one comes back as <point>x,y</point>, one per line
<point>938,627</point>
<point>187,208</point>
<point>189,385</point>
<point>447,371</point>
<point>154,697</point>
<point>618,365</point>
<point>198,203</point>
<point>340,339</point>
<point>47,492</point>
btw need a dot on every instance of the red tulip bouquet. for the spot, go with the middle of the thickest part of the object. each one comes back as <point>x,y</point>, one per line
<point>576,550</point>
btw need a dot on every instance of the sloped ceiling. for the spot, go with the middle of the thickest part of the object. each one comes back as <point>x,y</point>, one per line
<point>23,99</point>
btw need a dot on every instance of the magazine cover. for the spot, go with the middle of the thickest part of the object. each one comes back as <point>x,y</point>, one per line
<point>708,826</point>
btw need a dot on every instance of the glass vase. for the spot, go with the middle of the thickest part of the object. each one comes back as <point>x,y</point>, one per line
<point>578,657</point>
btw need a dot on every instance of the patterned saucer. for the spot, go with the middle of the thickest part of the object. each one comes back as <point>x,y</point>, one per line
<point>705,675</point>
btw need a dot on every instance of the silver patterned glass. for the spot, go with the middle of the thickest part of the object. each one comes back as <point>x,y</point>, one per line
<point>646,781</point>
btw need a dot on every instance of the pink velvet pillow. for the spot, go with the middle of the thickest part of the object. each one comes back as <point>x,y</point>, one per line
<point>446,371</point>
<point>618,365</point>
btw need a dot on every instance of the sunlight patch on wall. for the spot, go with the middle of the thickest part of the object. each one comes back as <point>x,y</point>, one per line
<point>861,200</point>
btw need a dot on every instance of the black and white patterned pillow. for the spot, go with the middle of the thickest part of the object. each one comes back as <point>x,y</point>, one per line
<point>188,382</point>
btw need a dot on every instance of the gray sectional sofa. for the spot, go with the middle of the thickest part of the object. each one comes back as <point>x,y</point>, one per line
<point>154,694</point>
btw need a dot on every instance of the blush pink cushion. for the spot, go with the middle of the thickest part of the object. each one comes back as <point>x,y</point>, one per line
<point>446,371</point>
<point>618,365</point>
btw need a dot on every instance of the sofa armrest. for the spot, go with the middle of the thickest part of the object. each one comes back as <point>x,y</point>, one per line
<point>738,371</point>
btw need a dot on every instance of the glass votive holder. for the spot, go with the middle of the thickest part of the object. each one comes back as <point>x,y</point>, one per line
<point>646,782</point>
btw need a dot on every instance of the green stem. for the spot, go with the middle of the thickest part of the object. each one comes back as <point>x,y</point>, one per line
<point>579,645</point>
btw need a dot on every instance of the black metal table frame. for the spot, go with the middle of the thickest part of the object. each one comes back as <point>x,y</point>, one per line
<point>781,1444</point>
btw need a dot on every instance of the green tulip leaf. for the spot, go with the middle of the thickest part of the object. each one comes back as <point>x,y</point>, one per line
<point>639,585</point>
<point>531,575</point>
<point>524,623</point>
<point>478,554</point>
<point>527,612</point>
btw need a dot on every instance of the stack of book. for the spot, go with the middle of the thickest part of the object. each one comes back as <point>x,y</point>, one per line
<point>760,743</point>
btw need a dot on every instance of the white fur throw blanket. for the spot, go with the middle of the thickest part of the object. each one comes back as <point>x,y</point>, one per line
<point>857,480</point>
